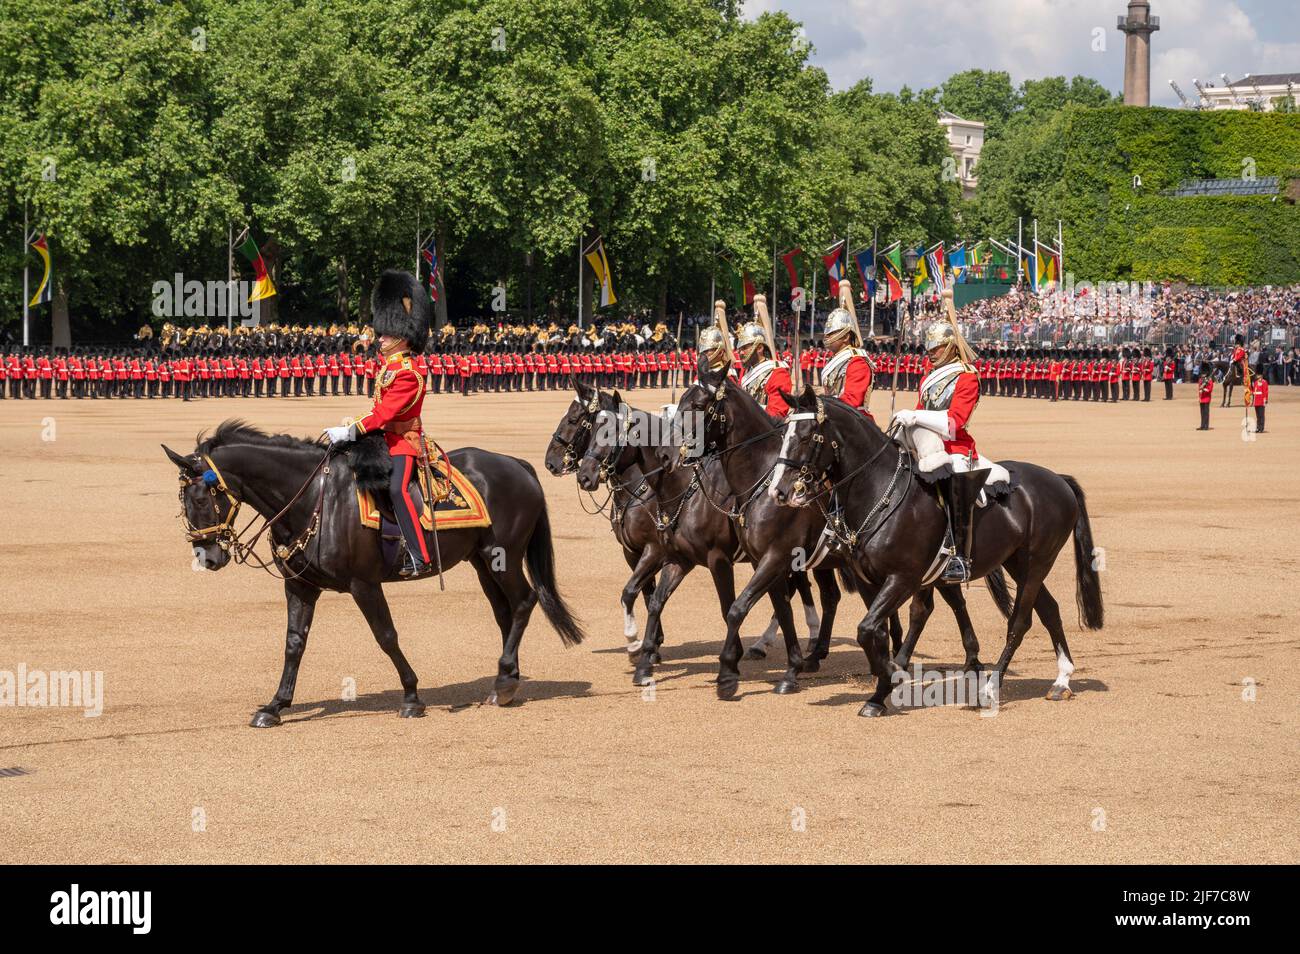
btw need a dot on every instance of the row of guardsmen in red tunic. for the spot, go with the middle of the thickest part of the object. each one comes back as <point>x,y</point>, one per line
<point>1088,374</point>
<point>147,375</point>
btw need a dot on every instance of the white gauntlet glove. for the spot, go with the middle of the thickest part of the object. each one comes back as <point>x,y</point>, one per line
<point>905,417</point>
<point>937,421</point>
<point>344,432</point>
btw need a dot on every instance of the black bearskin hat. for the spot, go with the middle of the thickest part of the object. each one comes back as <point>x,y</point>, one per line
<point>399,307</point>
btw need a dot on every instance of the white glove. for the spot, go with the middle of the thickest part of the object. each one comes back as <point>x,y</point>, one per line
<point>905,417</point>
<point>937,421</point>
<point>344,432</point>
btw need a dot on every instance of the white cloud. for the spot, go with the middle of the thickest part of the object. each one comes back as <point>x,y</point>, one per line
<point>919,43</point>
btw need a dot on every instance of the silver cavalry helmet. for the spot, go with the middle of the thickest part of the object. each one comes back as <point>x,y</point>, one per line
<point>713,344</point>
<point>938,334</point>
<point>751,333</point>
<point>840,321</point>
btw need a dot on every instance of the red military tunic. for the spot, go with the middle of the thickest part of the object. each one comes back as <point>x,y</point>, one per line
<point>399,395</point>
<point>848,376</point>
<point>765,382</point>
<point>960,406</point>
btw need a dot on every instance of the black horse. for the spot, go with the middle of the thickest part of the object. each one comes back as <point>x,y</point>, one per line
<point>902,528</point>
<point>662,522</point>
<point>742,451</point>
<point>306,493</point>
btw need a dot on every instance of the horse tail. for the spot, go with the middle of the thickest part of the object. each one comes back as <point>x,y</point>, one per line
<point>1087,592</point>
<point>997,586</point>
<point>540,558</point>
<point>848,582</point>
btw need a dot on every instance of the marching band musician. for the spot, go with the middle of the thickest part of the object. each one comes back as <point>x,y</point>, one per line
<point>400,309</point>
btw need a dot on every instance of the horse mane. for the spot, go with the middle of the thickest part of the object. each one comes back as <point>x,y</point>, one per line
<point>238,431</point>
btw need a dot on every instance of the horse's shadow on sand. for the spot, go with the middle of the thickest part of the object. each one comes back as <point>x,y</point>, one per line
<point>700,658</point>
<point>450,698</point>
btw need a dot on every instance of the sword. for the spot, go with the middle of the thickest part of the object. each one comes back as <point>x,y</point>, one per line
<point>433,513</point>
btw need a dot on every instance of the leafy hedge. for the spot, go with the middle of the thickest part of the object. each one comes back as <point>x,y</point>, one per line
<point>1079,167</point>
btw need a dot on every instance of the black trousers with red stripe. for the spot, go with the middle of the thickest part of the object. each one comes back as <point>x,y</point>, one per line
<point>408,518</point>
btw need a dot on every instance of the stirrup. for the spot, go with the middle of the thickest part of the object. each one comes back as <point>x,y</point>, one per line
<point>412,566</point>
<point>956,571</point>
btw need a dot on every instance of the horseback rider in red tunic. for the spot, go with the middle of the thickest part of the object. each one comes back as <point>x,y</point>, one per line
<point>765,377</point>
<point>400,307</point>
<point>847,375</point>
<point>946,401</point>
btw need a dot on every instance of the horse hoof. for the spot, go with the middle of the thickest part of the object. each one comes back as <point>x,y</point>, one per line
<point>643,677</point>
<point>872,710</point>
<point>727,690</point>
<point>264,720</point>
<point>411,710</point>
<point>634,648</point>
<point>812,664</point>
<point>1059,693</point>
<point>502,695</point>
<point>786,687</point>
<point>755,653</point>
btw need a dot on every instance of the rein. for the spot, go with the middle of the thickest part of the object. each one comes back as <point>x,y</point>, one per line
<point>232,540</point>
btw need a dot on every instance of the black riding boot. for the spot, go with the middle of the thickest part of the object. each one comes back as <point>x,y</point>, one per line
<point>961,492</point>
<point>408,521</point>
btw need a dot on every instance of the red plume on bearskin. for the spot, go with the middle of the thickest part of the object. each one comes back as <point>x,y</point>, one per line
<point>399,307</point>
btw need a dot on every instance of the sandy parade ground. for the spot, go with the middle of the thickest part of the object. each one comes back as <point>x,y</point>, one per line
<point>1180,744</point>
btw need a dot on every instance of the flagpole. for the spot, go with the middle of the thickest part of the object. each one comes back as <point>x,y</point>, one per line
<point>875,237</point>
<point>1060,255</point>
<point>775,305</point>
<point>1035,278</point>
<point>230,275</point>
<point>812,310</point>
<point>1020,250</point>
<point>26,292</point>
<point>579,278</point>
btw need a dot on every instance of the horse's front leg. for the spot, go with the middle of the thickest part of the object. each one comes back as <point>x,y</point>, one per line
<point>370,599</point>
<point>770,568</point>
<point>300,599</point>
<point>873,637</point>
<point>918,615</point>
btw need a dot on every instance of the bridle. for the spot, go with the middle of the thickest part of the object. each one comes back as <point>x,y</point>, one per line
<point>223,531</point>
<point>714,414</point>
<point>813,469</point>
<point>572,451</point>
<point>232,541</point>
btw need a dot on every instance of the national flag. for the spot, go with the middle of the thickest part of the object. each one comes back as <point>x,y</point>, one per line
<point>831,259</point>
<point>934,259</point>
<point>263,287</point>
<point>1001,258</point>
<point>1049,264</point>
<point>600,266</point>
<point>42,295</point>
<point>742,284</point>
<point>790,259</point>
<point>922,277</point>
<point>866,259</point>
<point>891,260</point>
<point>957,261</point>
<point>430,255</point>
<point>1029,266</point>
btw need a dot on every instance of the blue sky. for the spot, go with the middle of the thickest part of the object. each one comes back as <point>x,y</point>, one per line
<point>919,43</point>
